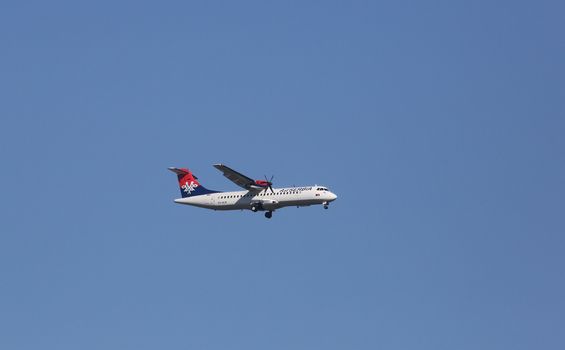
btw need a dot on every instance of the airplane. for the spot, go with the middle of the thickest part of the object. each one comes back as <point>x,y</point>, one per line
<point>258,195</point>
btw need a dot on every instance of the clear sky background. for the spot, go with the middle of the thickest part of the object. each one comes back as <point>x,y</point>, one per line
<point>439,124</point>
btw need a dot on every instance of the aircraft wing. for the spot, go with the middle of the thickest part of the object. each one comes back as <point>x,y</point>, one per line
<point>237,178</point>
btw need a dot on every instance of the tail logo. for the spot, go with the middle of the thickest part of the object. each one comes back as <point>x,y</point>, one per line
<point>188,188</point>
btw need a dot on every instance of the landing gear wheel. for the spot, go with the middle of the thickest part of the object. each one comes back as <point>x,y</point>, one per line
<point>326,207</point>
<point>269,214</point>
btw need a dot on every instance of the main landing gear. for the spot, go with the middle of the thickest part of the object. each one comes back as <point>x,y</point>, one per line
<point>256,207</point>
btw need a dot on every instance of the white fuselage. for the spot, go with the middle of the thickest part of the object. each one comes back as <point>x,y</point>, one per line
<point>264,199</point>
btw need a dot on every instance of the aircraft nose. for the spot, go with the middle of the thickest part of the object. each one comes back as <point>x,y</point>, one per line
<point>333,197</point>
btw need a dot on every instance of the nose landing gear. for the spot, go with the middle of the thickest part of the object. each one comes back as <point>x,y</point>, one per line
<point>326,205</point>
<point>269,214</point>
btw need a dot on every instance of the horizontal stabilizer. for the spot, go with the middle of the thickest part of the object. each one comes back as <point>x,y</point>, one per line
<point>178,171</point>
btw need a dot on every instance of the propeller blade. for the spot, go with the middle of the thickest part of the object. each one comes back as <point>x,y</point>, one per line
<point>269,185</point>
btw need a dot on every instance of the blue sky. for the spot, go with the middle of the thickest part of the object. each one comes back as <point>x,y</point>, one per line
<point>439,124</point>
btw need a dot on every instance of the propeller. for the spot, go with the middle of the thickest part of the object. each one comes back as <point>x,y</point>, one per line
<point>269,183</point>
<point>265,184</point>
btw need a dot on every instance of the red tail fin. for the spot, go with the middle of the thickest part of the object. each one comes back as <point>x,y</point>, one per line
<point>188,183</point>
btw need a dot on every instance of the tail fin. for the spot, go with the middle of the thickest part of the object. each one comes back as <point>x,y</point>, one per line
<point>188,183</point>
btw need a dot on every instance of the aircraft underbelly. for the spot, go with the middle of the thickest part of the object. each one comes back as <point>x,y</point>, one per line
<point>209,202</point>
<point>299,203</point>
